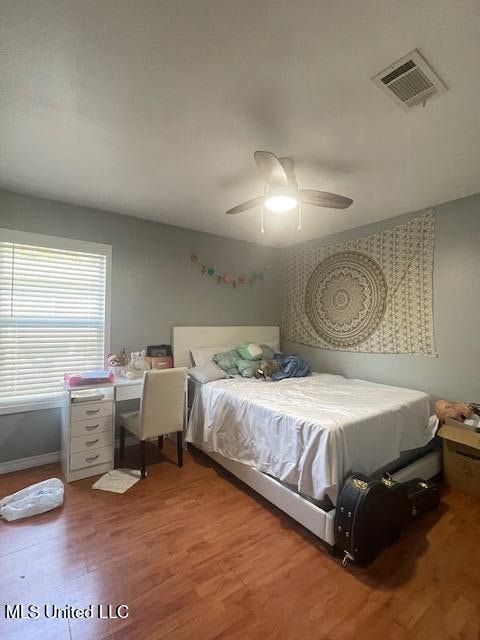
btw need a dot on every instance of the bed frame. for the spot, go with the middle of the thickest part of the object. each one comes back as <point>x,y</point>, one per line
<point>312,517</point>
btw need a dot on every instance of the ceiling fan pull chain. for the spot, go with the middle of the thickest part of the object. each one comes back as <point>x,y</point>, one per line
<point>299,209</point>
<point>262,216</point>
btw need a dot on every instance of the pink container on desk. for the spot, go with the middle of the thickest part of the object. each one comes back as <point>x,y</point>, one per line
<point>85,378</point>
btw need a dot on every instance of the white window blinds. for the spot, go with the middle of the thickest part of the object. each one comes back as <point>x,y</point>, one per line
<point>52,314</point>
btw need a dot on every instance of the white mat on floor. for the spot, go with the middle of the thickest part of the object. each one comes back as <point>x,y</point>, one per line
<point>117,480</point>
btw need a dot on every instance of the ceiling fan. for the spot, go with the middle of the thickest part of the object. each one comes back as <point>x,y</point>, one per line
<point>281,191</point>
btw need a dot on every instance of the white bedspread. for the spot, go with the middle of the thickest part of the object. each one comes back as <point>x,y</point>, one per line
<point>310,432</point>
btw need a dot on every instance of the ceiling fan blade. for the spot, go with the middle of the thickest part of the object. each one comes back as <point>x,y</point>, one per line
<point>270,167</point>
<point>324,199</point>
<point>245,206</point>
<point>289,165</point>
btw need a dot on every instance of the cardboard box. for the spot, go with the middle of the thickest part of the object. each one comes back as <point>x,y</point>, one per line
<point>461,457</point>
<point>161,362</point>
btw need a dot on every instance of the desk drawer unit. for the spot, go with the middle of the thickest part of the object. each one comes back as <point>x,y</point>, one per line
<point>91,442</point>
<point>90,427</point>
<point>87,436</point>
<point>93,458</point>
<point>91,410</point>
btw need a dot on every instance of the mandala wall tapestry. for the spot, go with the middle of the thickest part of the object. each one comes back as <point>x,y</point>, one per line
<point>373,294</point>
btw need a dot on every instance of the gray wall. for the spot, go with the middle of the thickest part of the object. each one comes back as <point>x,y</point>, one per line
<point>154,287</point>
<point>454,374</point>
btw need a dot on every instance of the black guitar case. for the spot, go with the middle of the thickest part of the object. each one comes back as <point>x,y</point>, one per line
<point>371,513</point>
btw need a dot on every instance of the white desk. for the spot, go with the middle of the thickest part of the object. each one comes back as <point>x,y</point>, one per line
<point>88,427</point>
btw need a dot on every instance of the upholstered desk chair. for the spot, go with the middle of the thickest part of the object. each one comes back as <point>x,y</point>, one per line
<point>162,411</point>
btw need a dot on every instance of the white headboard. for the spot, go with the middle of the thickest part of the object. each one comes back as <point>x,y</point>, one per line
<point>186,338</point>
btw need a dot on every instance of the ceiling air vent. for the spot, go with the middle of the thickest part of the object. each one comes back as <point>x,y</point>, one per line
<point>410,81</point>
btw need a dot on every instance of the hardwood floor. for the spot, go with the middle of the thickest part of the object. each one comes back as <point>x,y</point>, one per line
<point>194,554</point>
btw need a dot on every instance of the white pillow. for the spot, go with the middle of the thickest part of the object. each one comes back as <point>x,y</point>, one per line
<point>202,355</point>
<point>207,372</point>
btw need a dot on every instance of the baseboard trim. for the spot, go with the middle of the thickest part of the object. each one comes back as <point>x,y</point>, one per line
<point>26,463</point>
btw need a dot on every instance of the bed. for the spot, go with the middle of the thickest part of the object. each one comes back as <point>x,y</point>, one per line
<point>294,441</point>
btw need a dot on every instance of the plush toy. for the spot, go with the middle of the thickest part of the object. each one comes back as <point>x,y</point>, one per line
<point>117,359</point>
<point>136,366</point>
<point>266,369</point>
<point>116,363</point>
<point>250,351</point>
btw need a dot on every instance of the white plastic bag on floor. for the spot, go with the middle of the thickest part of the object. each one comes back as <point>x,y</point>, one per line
<point>38,498</point>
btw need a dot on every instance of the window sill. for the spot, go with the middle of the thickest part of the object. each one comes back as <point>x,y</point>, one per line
<point>30,404</point>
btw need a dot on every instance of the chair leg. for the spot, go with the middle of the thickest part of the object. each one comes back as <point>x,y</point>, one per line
<point>160,442</point>
<point>122,442</point>
<point>143,459</point>
<point>179,449</point>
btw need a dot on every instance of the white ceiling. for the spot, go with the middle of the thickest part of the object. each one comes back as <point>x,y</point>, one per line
<point>153,108</point>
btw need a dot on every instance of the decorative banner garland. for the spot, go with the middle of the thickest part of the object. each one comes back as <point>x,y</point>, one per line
<point>225,278</point>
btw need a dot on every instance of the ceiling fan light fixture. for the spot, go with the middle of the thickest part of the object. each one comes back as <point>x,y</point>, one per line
<point>281,198</point>
<point>280,203</point>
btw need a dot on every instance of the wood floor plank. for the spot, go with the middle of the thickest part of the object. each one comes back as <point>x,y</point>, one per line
<point>197,555</point>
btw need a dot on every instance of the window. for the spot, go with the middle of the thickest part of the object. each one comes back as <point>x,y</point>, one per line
<point>54,314</point>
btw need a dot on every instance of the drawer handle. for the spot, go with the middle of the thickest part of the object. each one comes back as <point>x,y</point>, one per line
<point>91,427</point>
<point>89,443</point>
<point>92,458</point>
<point>92,411</point>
